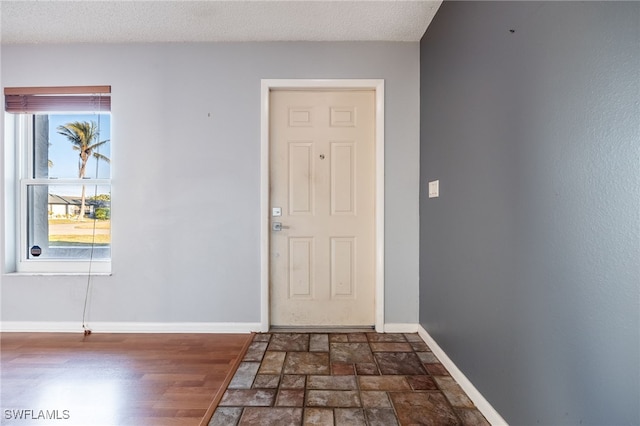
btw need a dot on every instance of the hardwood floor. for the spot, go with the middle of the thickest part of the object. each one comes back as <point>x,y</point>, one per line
<point>114,379</point>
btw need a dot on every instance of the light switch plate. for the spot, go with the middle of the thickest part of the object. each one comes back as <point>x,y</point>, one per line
<point>434,189</point>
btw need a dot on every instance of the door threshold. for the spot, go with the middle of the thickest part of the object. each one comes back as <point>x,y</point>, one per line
<point>320,329</point>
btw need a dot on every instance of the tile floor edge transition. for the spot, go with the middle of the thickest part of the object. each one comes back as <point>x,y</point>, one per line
<point>225,384</point>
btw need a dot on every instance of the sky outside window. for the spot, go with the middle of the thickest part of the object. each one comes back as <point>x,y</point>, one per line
<point>65,160</point>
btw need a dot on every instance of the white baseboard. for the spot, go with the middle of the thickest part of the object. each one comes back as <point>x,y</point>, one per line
<point>400,328</point>
<point>130,327</point>
<point>481,403</point>
<point>41,326</point>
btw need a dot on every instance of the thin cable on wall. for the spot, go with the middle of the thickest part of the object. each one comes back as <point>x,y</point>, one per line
<point>85,328</point>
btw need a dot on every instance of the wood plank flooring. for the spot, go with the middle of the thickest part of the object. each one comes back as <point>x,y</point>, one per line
<point>114,379</point>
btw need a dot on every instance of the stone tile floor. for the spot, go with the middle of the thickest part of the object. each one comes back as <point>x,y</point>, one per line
<point>343,379</point>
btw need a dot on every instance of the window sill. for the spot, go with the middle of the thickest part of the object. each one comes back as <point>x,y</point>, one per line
<point>56,274</point>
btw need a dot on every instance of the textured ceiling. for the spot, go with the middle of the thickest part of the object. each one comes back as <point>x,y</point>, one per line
<point>202,21</point>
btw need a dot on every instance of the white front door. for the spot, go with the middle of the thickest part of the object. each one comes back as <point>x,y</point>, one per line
<point>322,203</point>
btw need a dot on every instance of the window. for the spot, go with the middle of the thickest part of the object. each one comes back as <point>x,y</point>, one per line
<point>63,178</point>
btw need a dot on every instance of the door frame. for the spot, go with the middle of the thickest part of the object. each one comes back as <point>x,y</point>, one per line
<point>268,85</point>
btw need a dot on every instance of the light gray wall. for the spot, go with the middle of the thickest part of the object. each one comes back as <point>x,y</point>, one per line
<point>530,258</point>
<point>186,187</point>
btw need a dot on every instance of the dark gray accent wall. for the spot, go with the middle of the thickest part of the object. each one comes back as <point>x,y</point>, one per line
<point>530,257</point>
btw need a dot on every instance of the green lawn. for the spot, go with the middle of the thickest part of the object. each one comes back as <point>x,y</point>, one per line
<point>60,232</point>
<point>82,224</point>
<point>79,240</point>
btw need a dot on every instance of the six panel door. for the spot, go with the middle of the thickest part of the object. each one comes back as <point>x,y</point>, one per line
<point>322,177</point>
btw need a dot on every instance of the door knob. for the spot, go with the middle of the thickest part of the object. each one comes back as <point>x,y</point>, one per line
<point>276,226</point>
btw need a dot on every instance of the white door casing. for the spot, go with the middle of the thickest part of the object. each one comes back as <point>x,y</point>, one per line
<point>345,245</point>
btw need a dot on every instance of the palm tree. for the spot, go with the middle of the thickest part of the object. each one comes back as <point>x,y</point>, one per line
<point>84,136</point>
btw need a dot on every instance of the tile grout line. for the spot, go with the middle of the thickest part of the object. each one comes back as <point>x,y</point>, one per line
<point>439,389</point>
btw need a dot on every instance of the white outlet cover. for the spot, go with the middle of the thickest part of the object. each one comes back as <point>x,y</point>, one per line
<point>434,189</point>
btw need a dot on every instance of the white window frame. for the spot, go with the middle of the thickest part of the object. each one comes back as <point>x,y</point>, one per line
<point>24,149</point>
